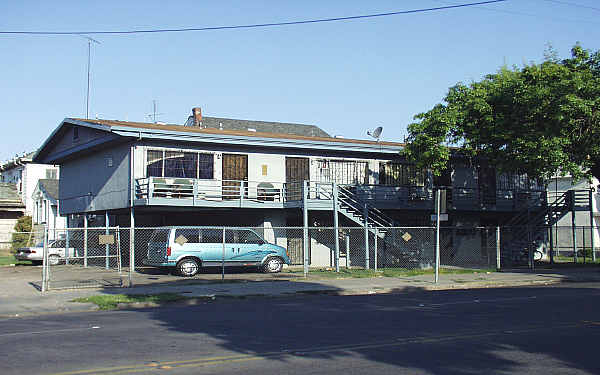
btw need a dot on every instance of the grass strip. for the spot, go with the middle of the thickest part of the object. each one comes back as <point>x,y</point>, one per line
<point>9,260</point>
<point>111,302</point>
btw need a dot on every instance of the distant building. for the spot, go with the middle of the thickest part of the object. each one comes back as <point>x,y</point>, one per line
<point>25,174</point>
<point>46,207</point>
<point>11,209</point>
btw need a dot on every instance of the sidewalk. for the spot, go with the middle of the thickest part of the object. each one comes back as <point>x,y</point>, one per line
<point>20,298</point>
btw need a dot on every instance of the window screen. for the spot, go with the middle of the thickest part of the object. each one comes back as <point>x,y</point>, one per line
<point>400,174</point>
<point>343,172</point>
<point>205,166</point>
<point>154,164</point>
<point>180,164</point>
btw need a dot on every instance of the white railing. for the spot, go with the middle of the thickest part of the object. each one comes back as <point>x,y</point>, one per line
<point>215,190</point>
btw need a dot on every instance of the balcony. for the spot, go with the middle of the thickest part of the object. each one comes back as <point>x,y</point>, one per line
<point>183,192</point>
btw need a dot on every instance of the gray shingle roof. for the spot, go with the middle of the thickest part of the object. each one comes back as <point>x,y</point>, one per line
<point>50,186</point>
<point>9,196</point>
<point>264,126</point>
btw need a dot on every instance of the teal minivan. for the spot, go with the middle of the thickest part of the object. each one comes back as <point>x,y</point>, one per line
<point>186,249</point>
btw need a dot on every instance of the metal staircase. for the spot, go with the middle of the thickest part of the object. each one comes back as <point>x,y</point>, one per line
<point>529,226</point>
<point>357,210</point>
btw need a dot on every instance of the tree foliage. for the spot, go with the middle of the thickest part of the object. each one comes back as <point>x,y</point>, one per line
<point>22,236</point>
<point>540,119</point>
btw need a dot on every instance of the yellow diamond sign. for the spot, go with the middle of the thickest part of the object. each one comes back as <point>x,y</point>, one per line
<point>406,237</point>
<point>181,240</point>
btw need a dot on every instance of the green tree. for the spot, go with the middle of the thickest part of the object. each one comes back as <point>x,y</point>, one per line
<point>22,235</point>
<point>539,119</point>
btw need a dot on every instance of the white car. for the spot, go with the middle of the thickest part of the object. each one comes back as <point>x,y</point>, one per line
<point>56,253</point>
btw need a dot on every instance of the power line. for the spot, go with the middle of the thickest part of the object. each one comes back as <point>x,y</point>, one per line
<point>148,31</point>
<point>572,4</point>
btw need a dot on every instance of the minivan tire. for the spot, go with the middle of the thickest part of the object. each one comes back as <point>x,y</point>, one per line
<point>188,267</point>
<point>273,265</point>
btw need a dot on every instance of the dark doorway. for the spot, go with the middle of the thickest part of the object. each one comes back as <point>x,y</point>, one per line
<point>296,171</point>
<point>235,170</point>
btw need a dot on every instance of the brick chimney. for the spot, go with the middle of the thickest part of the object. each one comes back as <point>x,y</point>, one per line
<point>197,114</point>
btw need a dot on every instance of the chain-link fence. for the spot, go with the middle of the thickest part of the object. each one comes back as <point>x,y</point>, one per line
<point>94,257</point>
<point>528,245</point>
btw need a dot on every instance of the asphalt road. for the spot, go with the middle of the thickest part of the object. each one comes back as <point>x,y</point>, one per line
<point>545,330</point>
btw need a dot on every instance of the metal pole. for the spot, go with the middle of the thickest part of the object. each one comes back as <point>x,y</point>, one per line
<point>67,241</point>
<point>85,237</point>
<point>366,216</point>
<point>592,239</point>
<point>106,247</point>
<point>305,216</point>
<point>348,263</point>
<point>223,258</point>
<point>131,246</point>
<point>573,226</point>
<point>336,227</point>
<point>551,244</point>
<point>45,274</point>
<point>498,264</point>
<point>375,249</point>
<point>437,236</point>
<point>87,100</point>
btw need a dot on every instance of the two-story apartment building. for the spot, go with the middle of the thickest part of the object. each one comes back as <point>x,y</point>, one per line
<point>218,171</point>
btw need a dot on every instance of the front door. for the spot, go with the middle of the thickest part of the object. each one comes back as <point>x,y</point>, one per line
<point>296,171</point>
<point>235,171</point>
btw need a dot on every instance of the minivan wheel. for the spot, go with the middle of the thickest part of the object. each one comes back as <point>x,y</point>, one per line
<point>273,265</point>
<point>188,267</point>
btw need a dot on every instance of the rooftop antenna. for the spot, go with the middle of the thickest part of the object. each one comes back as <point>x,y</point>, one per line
<point>376,133</point>
<point>87,100</point>
<point>154,114</point>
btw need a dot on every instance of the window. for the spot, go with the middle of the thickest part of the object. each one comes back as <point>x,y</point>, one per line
<point>516,181</point>
<point>75,134</point>
<point>190,235</point>
<point>154,164</point>
<point>51,174</point>
<point>400,174</point>
<point>343,172</point>
<point>179,164</point>
<point>211,235</point>
<point>242,236</point>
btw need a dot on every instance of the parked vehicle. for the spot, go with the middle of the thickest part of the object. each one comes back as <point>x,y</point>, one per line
<point>186,249</point>
<point>56,253</point>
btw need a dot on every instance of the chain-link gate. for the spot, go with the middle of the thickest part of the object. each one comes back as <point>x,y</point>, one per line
<point>80,258</point>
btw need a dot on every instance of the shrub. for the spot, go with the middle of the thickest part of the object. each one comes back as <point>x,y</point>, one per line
<point>22,236</point>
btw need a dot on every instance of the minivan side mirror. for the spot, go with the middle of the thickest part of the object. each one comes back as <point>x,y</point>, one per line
<point>261,242</point>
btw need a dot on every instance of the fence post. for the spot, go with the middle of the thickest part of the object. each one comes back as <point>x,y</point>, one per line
<point>85,238</point>
<point>67,242</point>
<point>131,246</point>
<point>551,230</point>
<point>223,258</point>
<point>106,247</point>
<point>498,264</point>
<point>305,222</point>
<point>336,227</point>
<point>366,216</point>
<point>592,240</point>
<point>437,236</point>
<point>348,263</point>
<point>375,249</point>
<point>242,191</point>
<point>573,225</point>
<point>45,274</point>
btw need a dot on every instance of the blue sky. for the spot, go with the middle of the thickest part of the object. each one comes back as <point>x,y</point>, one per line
<point>346,77</point>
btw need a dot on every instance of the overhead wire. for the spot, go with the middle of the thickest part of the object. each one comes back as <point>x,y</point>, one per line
<point>258,25</point>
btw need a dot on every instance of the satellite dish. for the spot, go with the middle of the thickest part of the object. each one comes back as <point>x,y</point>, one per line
<point>376,133</point>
